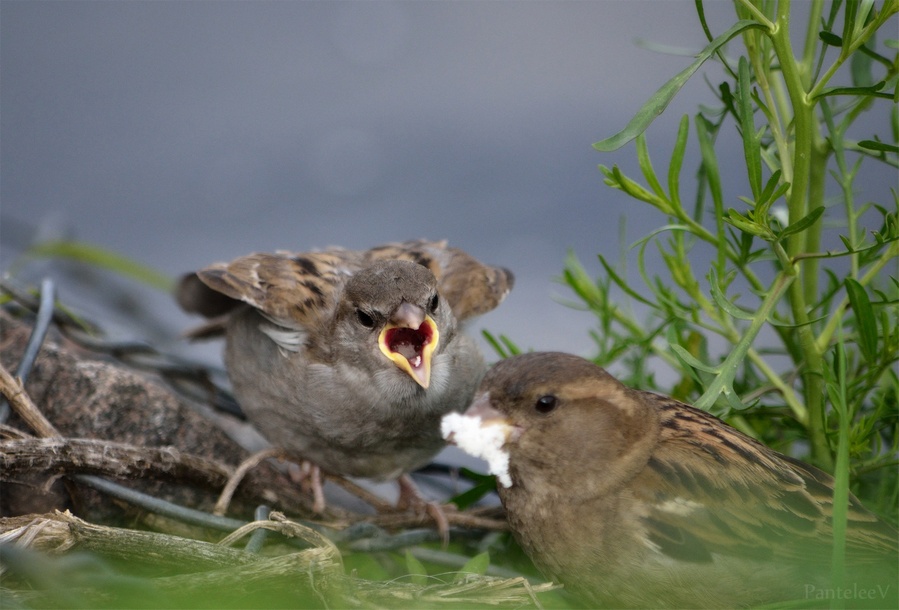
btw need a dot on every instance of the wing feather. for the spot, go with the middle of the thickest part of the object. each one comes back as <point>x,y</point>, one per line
<point>738,497</point>
<point>294,290</point>
<point>470,287</point>
<point>300,290</point>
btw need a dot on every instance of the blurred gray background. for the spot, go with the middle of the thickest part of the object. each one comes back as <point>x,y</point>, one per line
<point>181,133</point>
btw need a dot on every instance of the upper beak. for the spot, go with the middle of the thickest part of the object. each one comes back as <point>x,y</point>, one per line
<point>409,339</point>
<point>484,409</point>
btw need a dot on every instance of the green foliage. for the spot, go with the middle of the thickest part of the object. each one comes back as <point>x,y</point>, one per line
<point>100,257</point>
<point>417,572</point>
<point>822,377</point>
<point>476,565</point>
<point>502,345</point>
<point>484,484</point>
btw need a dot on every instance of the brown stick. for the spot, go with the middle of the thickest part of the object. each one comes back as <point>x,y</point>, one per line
<point>461,519</point>
<point>92,456</point>
<point>221,505</point>
<point>12,388</point>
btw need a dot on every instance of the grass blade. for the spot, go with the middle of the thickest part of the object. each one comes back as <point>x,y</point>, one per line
<point>660,100</point>
<point>106,259</point>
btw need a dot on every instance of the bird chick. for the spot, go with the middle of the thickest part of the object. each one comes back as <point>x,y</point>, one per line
<point>348,359</point>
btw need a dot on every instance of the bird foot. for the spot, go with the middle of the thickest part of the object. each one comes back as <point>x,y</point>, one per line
<point>309,477</point>
<point>411,499</point>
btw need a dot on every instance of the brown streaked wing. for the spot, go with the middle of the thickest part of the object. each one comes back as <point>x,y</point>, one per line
<point>196,297</point>
<point>741,498</point>
<point>470,287</point>
<point>296,290</point>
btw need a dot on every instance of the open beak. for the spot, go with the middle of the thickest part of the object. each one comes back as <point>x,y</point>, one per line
<point>409,339</point>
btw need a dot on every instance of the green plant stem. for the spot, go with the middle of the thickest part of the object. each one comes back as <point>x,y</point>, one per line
<point>844,178</point>
<point>811,38</point>
<point>839,399</point>
<point>797,206</point>
<point>789,395</point>
<point>816,190</point>
<point>756,13</point>
<point>761,67</point>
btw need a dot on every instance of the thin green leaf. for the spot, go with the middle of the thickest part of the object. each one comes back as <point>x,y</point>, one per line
<point>849,21</point>
<point>864,10</point>
<point>636,190</point>
<point>677,161</point>
<point>476,565</point>
<point>691,361</point>
<point>613,275</point>
<point>860,66</point>
<point>727,98</point>
<point>706,132</point>
<point>660,100</point>
<point>700,11</point>
<point>416,570</point>
<point>747,130</point>
<point>803,223</point>
<point>748,225</point>
<point>510,345</point>
<point>722,301</point>
<point>484,484</point>
<point>830,39</point>
<point>473,495</point>
<point>885,61</point>
<point>498,347</point>
<point>865,319</point>
<point>502,345</point>
<point>872,91</point>
<point>575,277</point>
<point>728,401</point>
<point>894,114</point>
<point>646,167</point>
<point>773,191</point>
<point>880,146</point>
<point>664,49</point>
<point>100,257</point>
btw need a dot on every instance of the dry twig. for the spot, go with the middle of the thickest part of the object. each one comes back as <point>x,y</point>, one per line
<point>93,456</point>
<point>18,398</point>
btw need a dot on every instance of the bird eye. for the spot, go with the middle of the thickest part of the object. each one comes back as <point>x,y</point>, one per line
<point>364,319</point>
<point>545,404</point>
<point>434,304</point>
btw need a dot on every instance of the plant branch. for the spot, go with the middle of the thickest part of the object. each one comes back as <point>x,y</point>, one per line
<point>723,382</point>
<point>889,256</point>
<point>797,207</point>
<point>789,395</point>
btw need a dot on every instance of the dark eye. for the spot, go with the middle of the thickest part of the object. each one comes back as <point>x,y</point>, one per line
<point>434,304</point>
<point>545,404</point>
<point>364,319</point>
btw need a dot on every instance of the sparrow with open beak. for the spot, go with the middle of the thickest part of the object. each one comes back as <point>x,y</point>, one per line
<point>348,359</point>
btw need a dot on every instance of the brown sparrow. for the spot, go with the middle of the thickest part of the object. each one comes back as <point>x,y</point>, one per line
<point>349,359</point>
<point>633,499</point>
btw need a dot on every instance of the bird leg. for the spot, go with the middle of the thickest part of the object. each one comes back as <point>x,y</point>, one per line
<point>412,499</point>
<point>309,477</point>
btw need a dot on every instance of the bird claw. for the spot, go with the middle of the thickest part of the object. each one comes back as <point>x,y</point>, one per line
<point>411,499</point>
<point>309,477</point>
